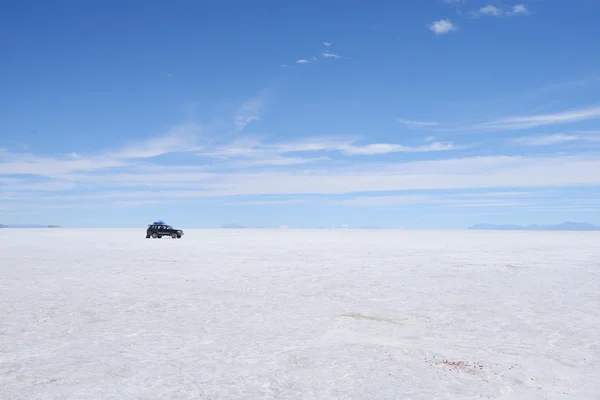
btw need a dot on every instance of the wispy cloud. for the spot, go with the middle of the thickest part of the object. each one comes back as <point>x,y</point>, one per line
<point>442,27</point>
<point>181,138</point>
<point>325,53</point>
<point>534,121</point>
<point>249,111</point>
<point>491,10</point>
<point>519,9</point>
<point>30,164</point>
<point>386,148</point>
<point>328,53</point>
<point>418,124</point>
<point>250,151</point>
<point>555,138</point>
<point>265,202</point>
<point>544,140</point>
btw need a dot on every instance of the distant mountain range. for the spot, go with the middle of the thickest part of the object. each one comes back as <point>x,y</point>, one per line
<point>565,226</point>
<point>29,226</point>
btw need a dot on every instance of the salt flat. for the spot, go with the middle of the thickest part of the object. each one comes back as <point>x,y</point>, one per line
<point>285,314</point>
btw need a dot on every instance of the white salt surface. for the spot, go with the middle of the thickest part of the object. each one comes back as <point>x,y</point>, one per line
<point>108,314</point>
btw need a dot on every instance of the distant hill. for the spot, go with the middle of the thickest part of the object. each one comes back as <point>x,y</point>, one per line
<point>233,226</point>
<point>565,226</point>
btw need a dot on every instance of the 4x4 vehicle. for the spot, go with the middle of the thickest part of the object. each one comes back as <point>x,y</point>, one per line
<point>160,229</point>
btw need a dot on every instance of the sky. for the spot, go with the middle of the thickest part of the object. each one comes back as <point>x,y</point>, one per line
<point>417,114</point>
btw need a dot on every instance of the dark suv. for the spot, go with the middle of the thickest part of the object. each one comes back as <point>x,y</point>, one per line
<point>160,229</point>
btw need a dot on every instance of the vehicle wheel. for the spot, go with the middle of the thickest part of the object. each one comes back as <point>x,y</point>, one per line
<point>174,235</point>
<point>178,236</point>
<point>147,236</point>
<point>154,235</point>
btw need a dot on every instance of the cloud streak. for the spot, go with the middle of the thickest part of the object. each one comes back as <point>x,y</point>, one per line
<point>255,152</point>
<point>417,124</point>
<point>535,121</point>
<point>555,138</point>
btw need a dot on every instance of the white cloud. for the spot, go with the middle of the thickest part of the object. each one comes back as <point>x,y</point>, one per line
<point>418,124</point>
<point>267,202</point>
<point>327,44</point>
<point>277,160</point>
<point>493,11</point>
<point>490,10</point>
<point>545,139</point>
<point>249,111</point>
<point>311,144</point>
<point>386,148</point>
<point>302,61</point>
<point>442,27</point>
<point>555,138</point>
<point>534,121</point>
<point>255,152</point>
<point>429,138</point>
<point>330,55</point>
<point>519,9</point>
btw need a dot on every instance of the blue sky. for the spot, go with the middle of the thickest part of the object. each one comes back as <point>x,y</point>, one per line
<point>415,114</point>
